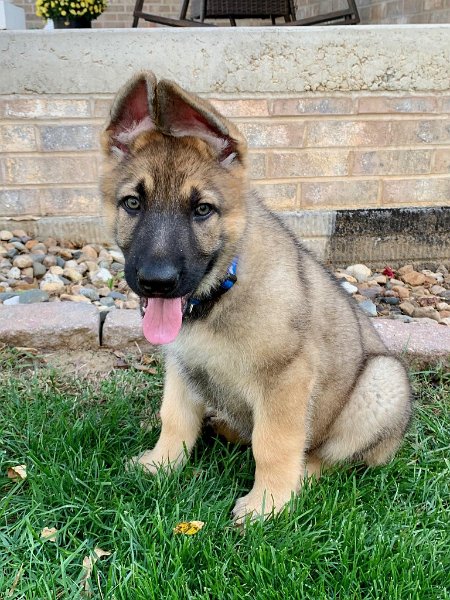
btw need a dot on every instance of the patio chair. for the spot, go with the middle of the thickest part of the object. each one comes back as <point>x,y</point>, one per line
<point>244,9</point>
<point>346,16</point>
<point>241,9</point>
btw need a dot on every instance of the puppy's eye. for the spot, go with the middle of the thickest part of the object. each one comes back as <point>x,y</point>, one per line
<point>131,203</point>
<point>202,211</point>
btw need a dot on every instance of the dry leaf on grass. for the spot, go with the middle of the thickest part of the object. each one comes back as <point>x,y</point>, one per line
<point>15,582</point>
<point>188,527</point>
<point>149,370</point>
<point>49,534</point>
<point>147,359</point>
<point>88,565</point>
<point>17,473</point>
<point>121,364</point>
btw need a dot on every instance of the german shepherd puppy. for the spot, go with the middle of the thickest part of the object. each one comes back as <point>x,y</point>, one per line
<point>242,308</point>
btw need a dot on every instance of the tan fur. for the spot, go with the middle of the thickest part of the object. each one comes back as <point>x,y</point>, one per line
<point>285,359</point>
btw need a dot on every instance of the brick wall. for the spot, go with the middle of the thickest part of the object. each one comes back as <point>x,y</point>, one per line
<point>331,124</point>
<point>383,11</point>
<point>307,152</point>
<point>119,12</point>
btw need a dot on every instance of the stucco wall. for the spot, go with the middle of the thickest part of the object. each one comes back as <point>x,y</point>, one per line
<point>336,117</point>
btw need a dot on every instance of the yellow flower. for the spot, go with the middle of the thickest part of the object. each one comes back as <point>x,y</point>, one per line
<point>63,13</point>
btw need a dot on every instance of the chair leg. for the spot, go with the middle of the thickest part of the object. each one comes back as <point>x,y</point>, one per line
<point>137,9</point>
<point>184,10</point>
<point>352,6</point>
<point>292,10</point>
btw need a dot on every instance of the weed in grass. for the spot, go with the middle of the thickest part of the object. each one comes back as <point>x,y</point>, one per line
<point>355,534</point>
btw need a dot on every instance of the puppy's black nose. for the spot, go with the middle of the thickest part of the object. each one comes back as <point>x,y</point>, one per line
<point>160,280</point>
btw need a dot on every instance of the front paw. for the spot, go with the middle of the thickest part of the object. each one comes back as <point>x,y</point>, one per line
<point>259,504</point>
<point>152,462</point>
<point>144,461</point>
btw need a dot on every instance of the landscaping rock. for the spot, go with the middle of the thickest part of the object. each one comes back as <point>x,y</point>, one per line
<point>123,329</point>
<point>426,312</point>
<point>33,296</point>
<point>368,307</point>
<point>414,278</point>
<point>102,275</point>
<point>348,287</point>
<point>39,270</point>
<point>117,296</point>
<point>75,298</point>
<point>23,261</point>
<point>5,235</point>
<point>50,326</point>
<point>407,308</point>
<point>359,272</point>
<point>73,275</point>
<point>89,293</point>
<point>107,301</point>
<point>415,340</point>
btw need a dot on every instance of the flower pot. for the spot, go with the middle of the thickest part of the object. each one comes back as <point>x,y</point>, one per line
<point>72,23</point>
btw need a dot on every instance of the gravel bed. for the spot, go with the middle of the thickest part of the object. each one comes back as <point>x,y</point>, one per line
<point>50,270</point>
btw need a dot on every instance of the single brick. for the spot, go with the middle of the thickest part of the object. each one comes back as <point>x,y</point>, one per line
<point>412,191</point>
<point>19,202</point>
<point>312,106</point>
<point>256,166</point>
<point>56,325</point>
<point>273,135</point>
<point>49,169</point>
<point>347,133</point>
<point>102,107</point>
<point>442,161</point>
<point>17,138</point>
<point>440,16</point>
<point>123,329</point>
<point>391,162</point>
<point>445,106</point>
<point>308,163</point>
<point>278,196</point>
<point>433,4</point>
<point>395,8</point>
<point>410,133</point>
<point>339,194</point>
<point>387,104</point>
<point>241,108</point>
<point>37,108</point>
<point>55,138</point>
<point>57,202</point>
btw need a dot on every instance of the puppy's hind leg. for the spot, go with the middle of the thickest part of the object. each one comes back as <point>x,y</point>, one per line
<point>372,423</point>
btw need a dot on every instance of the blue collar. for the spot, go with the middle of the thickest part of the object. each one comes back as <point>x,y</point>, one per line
<point>196,307</point>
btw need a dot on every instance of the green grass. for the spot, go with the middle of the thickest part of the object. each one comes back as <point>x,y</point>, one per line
<point>357,533</point>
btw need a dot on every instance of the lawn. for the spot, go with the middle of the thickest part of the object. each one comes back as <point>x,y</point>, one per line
<point>355,534</point>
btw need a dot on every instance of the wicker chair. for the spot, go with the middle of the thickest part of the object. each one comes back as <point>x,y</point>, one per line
<point>244,9</point>
<point>240,9</point>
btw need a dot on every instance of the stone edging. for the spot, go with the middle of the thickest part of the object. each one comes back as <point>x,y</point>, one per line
<point>70,326</point>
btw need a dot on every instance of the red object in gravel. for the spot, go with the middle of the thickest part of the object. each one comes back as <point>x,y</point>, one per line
<point>388,272</point>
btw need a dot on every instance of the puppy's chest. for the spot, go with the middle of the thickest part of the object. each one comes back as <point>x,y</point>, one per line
<point>221,378</point>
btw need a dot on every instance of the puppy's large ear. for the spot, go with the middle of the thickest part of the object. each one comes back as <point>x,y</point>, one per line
<point>132,113</point>
<point>182,114</point>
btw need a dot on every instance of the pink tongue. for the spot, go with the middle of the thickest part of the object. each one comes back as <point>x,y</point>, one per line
<point>162,320</point>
